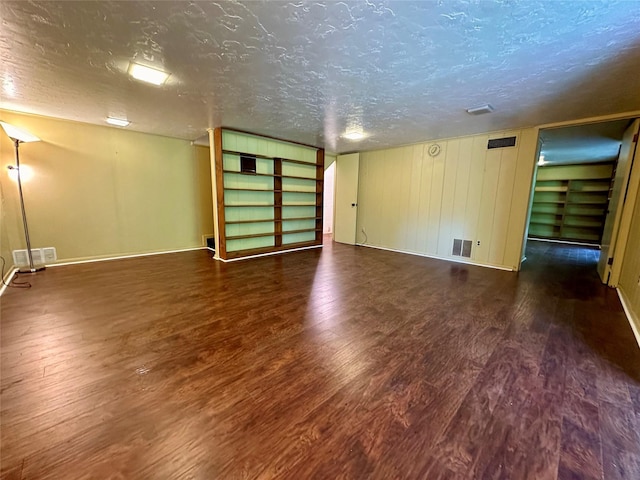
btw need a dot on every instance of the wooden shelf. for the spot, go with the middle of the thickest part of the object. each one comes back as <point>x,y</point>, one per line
<point>584,203</point>
<point>303,230</point>
<point>594,215</point>
<point>238,222</point>
<point>556,224</point>
<point>300,218</point>
<point>235,189</point>
<point>237,172</point>
<point>271,220</point>
<point>599,191</point>
<point>260,250</point>
<point>250,235</point>
<point>564,199</point>
<point>233,185</point>
<point>271,205</point>
<point>251,205</point>
<point>266,157</point>
<point>551,189</point>
<point>581,227</point>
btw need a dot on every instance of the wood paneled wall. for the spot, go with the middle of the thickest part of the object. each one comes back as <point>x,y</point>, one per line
<point>630,276</point>
<point>413,202</point>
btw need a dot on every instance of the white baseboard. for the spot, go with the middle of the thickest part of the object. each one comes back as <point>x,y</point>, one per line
<point>121,257</point>
<point>8,278</point>
<point>568,242</point>
<point>631,317</point>
<point>267,254</point>
<point>447,259</point>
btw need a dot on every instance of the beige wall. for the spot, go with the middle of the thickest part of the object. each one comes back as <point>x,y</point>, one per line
<point>101,192</point>
<point>5,250</point>
<point>412,202</point>
<point>629,284</point>
<point>328,160</point>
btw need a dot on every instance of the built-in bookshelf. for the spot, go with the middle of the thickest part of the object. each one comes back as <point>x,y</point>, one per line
<point>274,205</point>
<point>572,209</point>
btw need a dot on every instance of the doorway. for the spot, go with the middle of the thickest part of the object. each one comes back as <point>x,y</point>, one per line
<point>576,178</point>
<point>327,199</point>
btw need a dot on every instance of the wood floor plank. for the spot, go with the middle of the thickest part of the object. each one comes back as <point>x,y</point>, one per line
<point>581,451</point>
<point>344,362</point>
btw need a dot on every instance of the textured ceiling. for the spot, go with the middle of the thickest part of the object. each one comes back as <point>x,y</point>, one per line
<point>306,71</point>
<point>591,143</point>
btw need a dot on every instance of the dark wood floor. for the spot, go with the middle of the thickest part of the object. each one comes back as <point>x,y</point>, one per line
<point>343,363</point>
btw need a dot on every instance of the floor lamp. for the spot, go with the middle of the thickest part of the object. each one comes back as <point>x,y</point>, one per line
<point>19,136</point>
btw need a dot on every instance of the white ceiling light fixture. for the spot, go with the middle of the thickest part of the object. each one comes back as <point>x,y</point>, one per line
<point>354,135</point>
<point>479,110</point>
<point>9,87</point>
<point>541,161</point>
<point>118,122</point>
<point>148,74</point>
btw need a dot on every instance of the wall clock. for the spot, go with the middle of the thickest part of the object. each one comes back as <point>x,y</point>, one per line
<point>434,150</point>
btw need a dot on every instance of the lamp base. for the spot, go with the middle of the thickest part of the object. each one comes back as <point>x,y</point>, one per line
<point>36,268</point>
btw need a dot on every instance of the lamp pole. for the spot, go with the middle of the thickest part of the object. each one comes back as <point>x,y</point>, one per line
<point>19,136</point>
<point>32,268</point>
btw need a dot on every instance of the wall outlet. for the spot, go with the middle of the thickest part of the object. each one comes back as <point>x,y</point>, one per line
<point>478,243</point>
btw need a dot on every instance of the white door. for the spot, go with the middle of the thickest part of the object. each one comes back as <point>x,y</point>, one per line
<point>346,198</point>
<point>616,203</point>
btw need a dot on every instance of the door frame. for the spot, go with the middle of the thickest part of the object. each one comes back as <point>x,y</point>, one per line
<point>620,221</point>
<point>340,203</point>
<point>624,226</point>
<point>569,123</point>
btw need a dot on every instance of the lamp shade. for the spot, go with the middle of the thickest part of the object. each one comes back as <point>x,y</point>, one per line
<point>16,133</point>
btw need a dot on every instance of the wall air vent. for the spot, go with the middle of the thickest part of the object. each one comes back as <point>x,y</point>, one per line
<point>502,142</point>
<point>21,259</point>
<point>40,256</point>
<point>461,248</point>
<point>457,247</point>
<point>49,255</point>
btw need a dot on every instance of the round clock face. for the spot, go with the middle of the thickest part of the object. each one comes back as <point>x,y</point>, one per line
<point>434,150</point>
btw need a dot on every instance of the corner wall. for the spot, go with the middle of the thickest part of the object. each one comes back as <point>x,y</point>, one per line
<point>100,192</point>
<point>413,202</point>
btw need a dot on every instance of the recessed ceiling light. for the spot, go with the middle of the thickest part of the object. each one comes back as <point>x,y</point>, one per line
<point>354,135</point>
<point>119,122</point>
<point>147,74</point>
<point>480,109</point>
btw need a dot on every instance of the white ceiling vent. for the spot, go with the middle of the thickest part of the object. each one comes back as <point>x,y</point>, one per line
<point>479,110</point>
